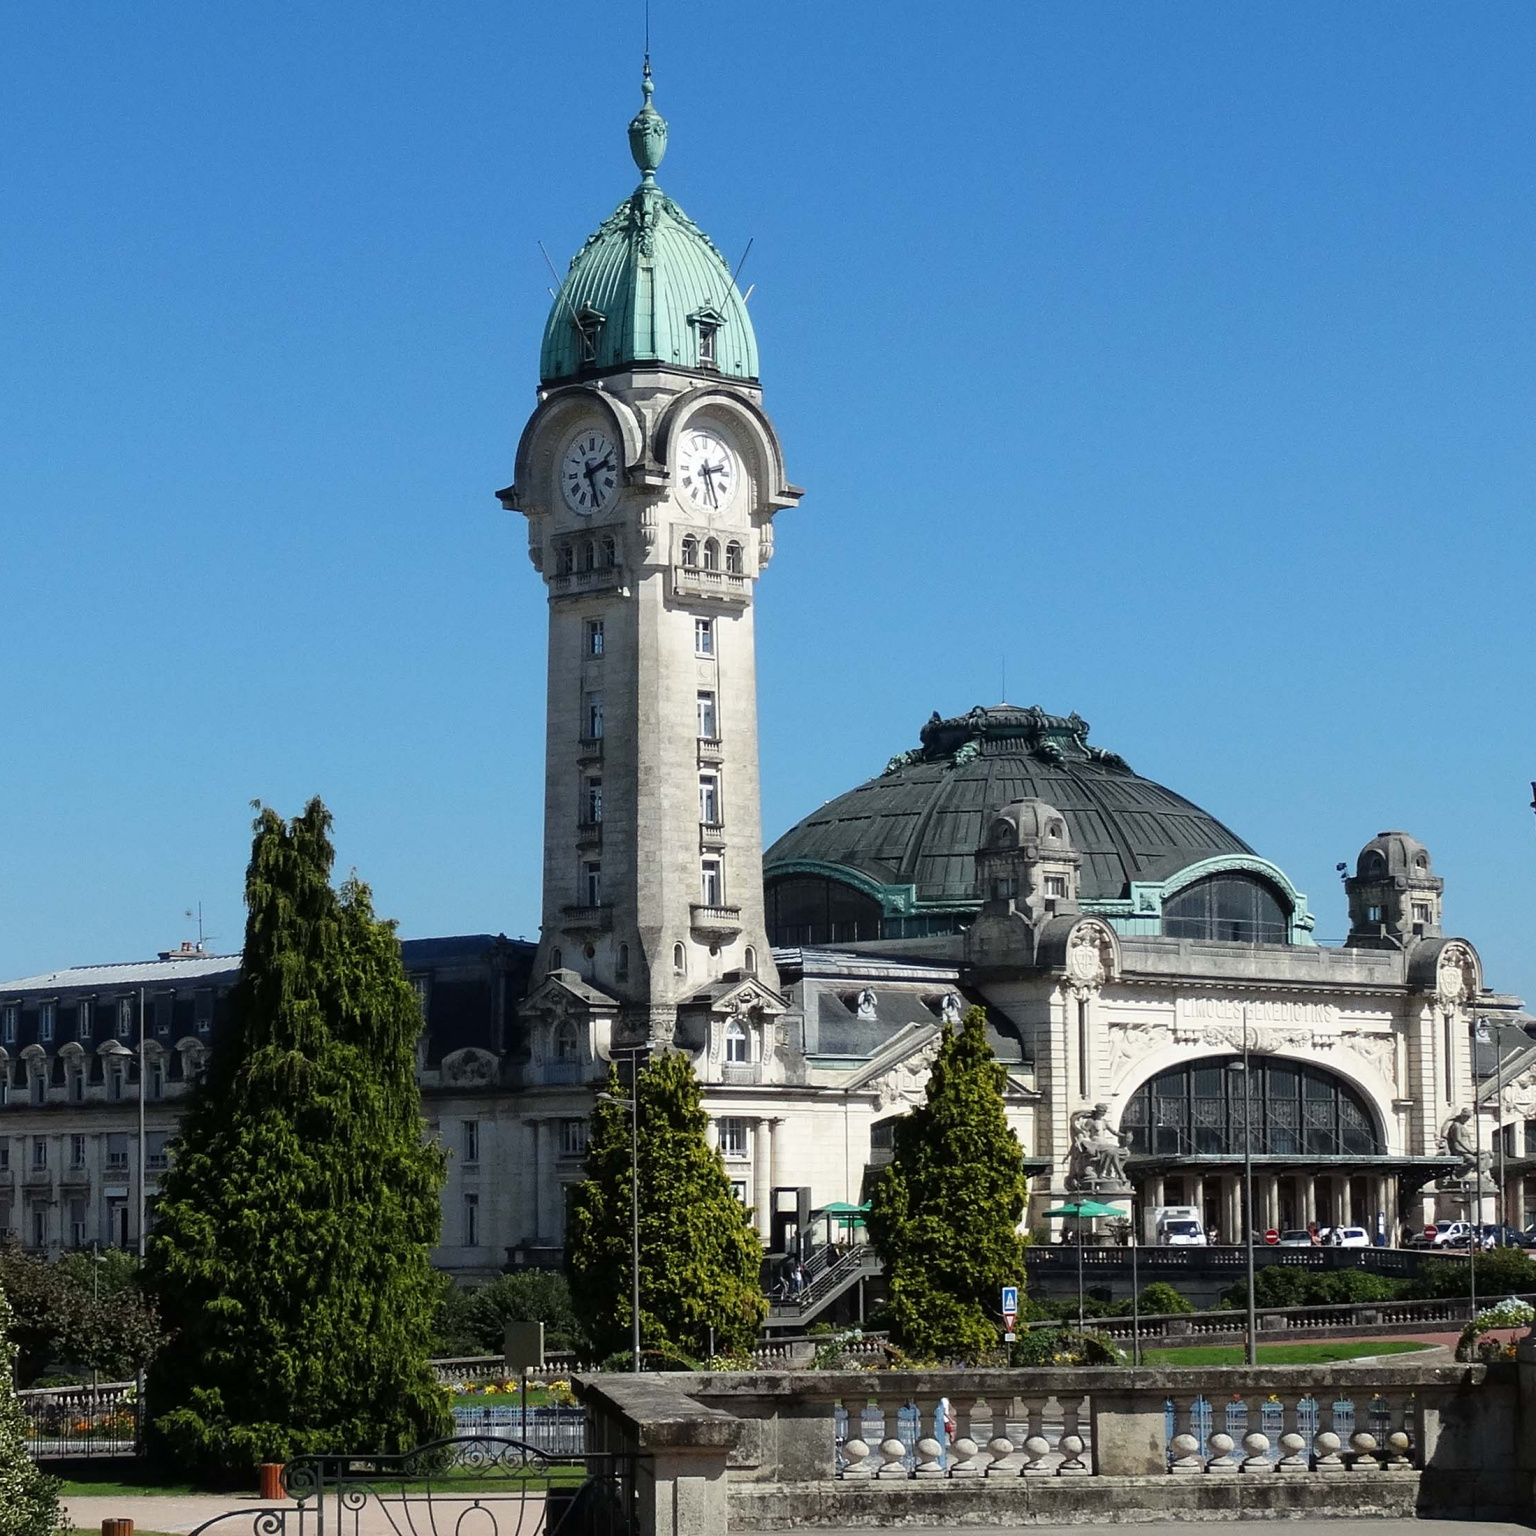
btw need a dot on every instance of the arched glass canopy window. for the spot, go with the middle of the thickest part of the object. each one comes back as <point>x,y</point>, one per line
<point>810,909</point>
<point>1236,907</point>
<point>1298,1111</point>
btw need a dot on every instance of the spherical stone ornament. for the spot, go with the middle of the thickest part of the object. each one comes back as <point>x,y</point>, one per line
<point>965,1447</point>
<point>854,1451</point>
<point>1326,1444</point>
<point>1221,1444</point>
<point>1363,1442</point>
<point>1000,1448</point>
<point>1398,1443</point>
<point>1036,1447</point>
<point>893,1449</point>
<point>1186,1445</point>
<point>1292,1443</point>
<point>1072,1445</point>
<point>928,1449</point>
<point>1256,1444</point>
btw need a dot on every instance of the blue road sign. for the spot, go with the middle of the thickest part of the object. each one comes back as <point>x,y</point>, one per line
<point>1010,1298</point>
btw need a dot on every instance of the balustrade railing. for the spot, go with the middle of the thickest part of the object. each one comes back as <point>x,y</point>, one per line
<point>81,1421</point>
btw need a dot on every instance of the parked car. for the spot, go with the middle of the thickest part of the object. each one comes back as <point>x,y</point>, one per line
<point>1448,1234</point>
<point>1296,1237</point>
<point>1344,1237</point>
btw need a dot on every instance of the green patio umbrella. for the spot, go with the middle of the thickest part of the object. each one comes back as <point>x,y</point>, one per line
<point>1081,1208</point>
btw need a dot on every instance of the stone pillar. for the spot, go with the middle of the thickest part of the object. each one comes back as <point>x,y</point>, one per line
<point>762,1179</point>
<point>1197,1194</point>
<point>1306,1189</point>
<point>1346,1199</point>
<point>1155,1190</point>
<point>1272,1200</point>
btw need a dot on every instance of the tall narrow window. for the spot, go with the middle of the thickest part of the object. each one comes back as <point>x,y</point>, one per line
<point>709,799</point>
<point>733,1137</point>
<point>733,558</point>
<point>157,1081</point>
<point>567,559</point>
<point>690,550</point>
<point>117,1152</point>
<point>39,1226</point>
<point>471,1221</point>
<point>749,961</point>
<point>47,1013</point>
<point>471,1141</point>
<point>594,716</point>
<point>610,551</point>
<point>708,724</point>
<point>592,883</point>
<point>83,1019</point>
<point>679,959</point>
<point>77,1223</point>
<point>9,1019</point>
<point>709,882</point>
<point>711,555</point>
<point>707,344</point>
<point>77,1085</point>
<point>202,1010</point>
<point>589,556</point>
<point>77,1151</point>
<point>594,802</point>
<point>39,1151</point>
<point>738,1043</point>
<point>594,637</point>
<point>567,1046</point>
<point>703,637</point>
<point>124,1018</point>
<point>39,1087</point>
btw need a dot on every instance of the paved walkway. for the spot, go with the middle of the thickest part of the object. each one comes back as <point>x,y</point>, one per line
<point>161,1512</point>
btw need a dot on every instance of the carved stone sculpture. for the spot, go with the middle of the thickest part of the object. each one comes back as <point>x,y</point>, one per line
<point>1458,1138</point>
<point>1097,1158</point>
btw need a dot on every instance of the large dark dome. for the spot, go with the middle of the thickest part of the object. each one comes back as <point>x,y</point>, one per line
<point>918,823</point>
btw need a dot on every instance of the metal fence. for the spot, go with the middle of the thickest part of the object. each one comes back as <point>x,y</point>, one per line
<point>82,1421</point>
<point>552,1431</point>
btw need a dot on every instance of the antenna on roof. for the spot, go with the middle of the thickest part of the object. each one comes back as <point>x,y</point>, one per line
<point>570,309</point>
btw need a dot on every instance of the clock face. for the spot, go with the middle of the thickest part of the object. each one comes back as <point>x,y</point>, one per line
<point>589,472</point>
<point>706,470</point>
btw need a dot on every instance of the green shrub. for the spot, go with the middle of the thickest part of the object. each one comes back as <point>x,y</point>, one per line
<point>1288,1285</point>
<point>1352,1285</point>
<point>1064,1346</point>
<point>1161,1298</point>
<point>1501,1271</point>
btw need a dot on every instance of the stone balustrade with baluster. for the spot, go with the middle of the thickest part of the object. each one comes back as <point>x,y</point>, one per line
<point>988,1447</point>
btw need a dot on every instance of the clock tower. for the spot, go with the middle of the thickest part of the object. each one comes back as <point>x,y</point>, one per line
<point>649,475</point>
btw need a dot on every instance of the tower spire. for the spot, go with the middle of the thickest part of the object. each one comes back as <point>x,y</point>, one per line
<point>647,128</point>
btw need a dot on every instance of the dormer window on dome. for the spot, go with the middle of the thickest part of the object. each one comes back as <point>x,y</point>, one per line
<point>706,324</point>
<point>588,322</point>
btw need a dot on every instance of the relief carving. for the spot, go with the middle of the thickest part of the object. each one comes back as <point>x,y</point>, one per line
<point>907,1081</point>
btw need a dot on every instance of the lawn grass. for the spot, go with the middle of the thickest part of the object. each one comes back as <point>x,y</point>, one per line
<point>1280,1354</point>
<point>114,1477</point>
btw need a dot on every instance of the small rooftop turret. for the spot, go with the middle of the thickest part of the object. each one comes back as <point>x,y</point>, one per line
<point>1394,894</point>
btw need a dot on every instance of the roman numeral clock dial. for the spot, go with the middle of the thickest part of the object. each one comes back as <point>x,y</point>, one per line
<point>706,469</point>
<point>589,472</point>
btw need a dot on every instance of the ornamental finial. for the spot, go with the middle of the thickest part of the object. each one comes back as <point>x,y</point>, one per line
<point>647,130</point>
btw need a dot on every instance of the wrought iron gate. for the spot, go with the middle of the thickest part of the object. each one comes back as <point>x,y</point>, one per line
<point>468,1485</point>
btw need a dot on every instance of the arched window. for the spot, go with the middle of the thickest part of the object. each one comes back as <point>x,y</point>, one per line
<point>1197,1109</point>
<point>589,556</point>
<point>610,551</point>
<point>556,960</point>
<point>738,1042</point>
<point>733,558</point>
<point>711,554</point>
<point>690,550</point>
<point>567,559</point>
<point>749,961</point>
<point>566,1048</point>
<point>679,959</point>
<point>1238,908</point>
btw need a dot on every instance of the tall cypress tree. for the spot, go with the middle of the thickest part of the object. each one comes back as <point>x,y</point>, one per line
<point>290,1260</point>
<point>945,1212</point>
<point>700,1259</point>
<point>29,1500</point>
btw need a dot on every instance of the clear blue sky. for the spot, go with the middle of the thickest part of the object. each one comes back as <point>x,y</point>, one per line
<point>1178,356</point>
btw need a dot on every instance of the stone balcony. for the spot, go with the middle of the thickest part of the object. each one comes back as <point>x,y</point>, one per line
<point>589,835</point>
<point>711,749</point>
<point>715,922</point>
<point>711,834</point>
<point>579,920</point>
<point>589,749</point>
<point>603,578</point>
<point>715,586</point>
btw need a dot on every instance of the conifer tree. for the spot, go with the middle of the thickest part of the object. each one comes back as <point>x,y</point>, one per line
<point>29,1500</point>
<point>945,1212</point>
<point>290,1260</point>
<point>700,1259</point>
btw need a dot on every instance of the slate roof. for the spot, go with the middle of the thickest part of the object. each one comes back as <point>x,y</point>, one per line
<point>919,822</point>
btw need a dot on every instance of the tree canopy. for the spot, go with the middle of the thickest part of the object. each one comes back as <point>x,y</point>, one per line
<point>700,1258</point>
<point>290,1258</point>
<point>944,1213</point>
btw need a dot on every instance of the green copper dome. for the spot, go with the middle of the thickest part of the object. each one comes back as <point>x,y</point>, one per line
<point>648,286</point>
